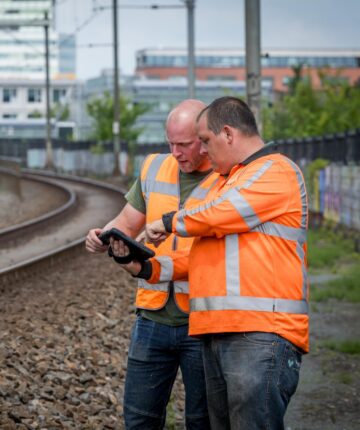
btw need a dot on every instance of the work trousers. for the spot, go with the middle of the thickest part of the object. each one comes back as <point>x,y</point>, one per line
<point>250,378</point>
<point>156,352</point>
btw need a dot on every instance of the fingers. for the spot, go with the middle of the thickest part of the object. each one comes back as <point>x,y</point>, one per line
<point>155,232</point>
<point>93,244</point>
<point>119,248</point>
<point>142,237</point>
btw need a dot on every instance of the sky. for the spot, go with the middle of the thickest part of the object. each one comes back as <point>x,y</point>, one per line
<point>218,24</point>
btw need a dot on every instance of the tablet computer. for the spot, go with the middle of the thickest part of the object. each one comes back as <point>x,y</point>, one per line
<point>138,251</point>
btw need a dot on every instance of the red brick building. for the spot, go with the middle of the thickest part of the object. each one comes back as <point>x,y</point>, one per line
<point>229,64</point>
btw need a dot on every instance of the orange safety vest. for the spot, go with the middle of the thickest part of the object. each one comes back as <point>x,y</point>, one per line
<point>247,265</point>
<point>160,186</point>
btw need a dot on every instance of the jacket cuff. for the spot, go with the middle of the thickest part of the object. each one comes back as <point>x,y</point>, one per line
<point>167,219</point>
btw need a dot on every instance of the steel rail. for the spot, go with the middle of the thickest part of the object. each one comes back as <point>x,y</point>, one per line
<point>15,272</point>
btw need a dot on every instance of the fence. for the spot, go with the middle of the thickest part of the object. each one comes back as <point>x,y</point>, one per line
<point>335,190</point>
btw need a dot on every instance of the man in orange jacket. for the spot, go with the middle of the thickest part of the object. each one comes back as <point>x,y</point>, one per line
<point>160,343</point>
<point>247,271</point>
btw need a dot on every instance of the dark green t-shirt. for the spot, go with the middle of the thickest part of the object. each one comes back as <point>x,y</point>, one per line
<point>170,314</point>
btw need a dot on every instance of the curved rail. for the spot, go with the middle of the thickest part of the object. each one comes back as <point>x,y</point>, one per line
<point>6,232</point>
<point>16,270</point>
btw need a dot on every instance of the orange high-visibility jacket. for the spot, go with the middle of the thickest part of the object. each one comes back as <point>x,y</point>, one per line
<point>247,266</point>
<point>161,191</point>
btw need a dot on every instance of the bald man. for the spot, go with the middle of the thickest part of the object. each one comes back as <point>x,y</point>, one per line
<point>160,343</point>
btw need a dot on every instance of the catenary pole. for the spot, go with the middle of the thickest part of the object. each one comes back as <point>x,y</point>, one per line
<point>116,120</point>
<point>49,162</point>
<point>190,5</point>
<point>253,57</point>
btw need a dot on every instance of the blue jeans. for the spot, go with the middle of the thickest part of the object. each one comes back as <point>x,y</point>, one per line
<point>250,378</point>
<point>156,352</point>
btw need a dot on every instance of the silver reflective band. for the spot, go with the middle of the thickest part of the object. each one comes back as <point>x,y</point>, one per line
<point>154,287</point>
<point>243,208</point>
<point>304,206</point>
<point>232,265</point>
<point>239,203</point>
<point>167,268</point>
<point>180,225</point>
<point>282,231</point>
<point>257,174</point>
<point>181,287</point>
<point>150,186</point>
<point>155,166</point>
<point>260,304</point>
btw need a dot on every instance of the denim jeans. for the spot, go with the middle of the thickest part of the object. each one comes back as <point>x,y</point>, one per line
<point>156,352</point>
<point>250,378</point>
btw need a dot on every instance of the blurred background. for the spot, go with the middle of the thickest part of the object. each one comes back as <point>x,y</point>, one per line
<point>85,88</point>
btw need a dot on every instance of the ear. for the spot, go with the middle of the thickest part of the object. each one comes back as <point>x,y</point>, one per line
<point>228,133</point>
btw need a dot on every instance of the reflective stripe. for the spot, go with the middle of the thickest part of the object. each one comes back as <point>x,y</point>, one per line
<point>242,206</point>
<point>301,253</point>
<point>152,172</point>
<point>155,166</point>
<point>150,186</point>
<point>199,193</point>
<point>232,265</point>
<point>304,222</point>
<point>163,286</point>
<point>257,174</point>
<point>181,287</point>
<point>304,206</point>
<point>260,304</point>
<point>237,200</point>
<point>180,225</point>
<point>282,231</point>
<point>166,268</point>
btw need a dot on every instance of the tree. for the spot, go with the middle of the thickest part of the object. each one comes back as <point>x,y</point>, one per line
<point>101,109</point>
<point>60,112</point>
<point>304,112</point>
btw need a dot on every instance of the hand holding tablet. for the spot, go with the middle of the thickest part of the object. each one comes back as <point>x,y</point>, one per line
<point>138,251</point>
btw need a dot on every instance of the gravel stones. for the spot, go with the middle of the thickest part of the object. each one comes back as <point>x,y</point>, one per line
<point>63,347</point>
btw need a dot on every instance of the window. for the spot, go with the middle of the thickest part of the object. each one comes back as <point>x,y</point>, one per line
<point>59,95</point>
<point>9,95</point>
<point>34,95</point>
<point>9,116</point>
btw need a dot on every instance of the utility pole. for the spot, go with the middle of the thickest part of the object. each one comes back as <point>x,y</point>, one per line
<point>49,163</point>
<point>116,120</point>
<point>253,58</point>
<point>190,4</point>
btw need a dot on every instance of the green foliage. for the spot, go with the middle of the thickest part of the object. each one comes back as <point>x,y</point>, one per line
<point>346,346</point>
<point>326,248</point>
<point>60,112</point>
<point>305,112</point>
<point>35,114</point>
<point>102,112</point>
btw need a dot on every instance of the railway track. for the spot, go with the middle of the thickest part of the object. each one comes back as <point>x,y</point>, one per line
<point>28,247</point>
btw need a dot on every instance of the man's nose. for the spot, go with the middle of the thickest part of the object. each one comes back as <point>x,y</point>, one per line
<point>203,150</point>
<point>175,151</point>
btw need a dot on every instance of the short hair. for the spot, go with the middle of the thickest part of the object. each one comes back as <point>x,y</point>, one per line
<point>230,111</point>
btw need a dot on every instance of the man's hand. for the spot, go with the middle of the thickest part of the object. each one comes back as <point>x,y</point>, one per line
<point>156,233</point>
<point>119,249</point>
<point>93,244</point>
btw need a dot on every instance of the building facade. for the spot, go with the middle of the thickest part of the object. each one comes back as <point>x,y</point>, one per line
<point>229,64</point>
<point>23,67</point>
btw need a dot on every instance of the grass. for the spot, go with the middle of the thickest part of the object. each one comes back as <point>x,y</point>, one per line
<point>326,248</point>
<point>346,288</point>
<point>346,346</point>
<point>329,252</point>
